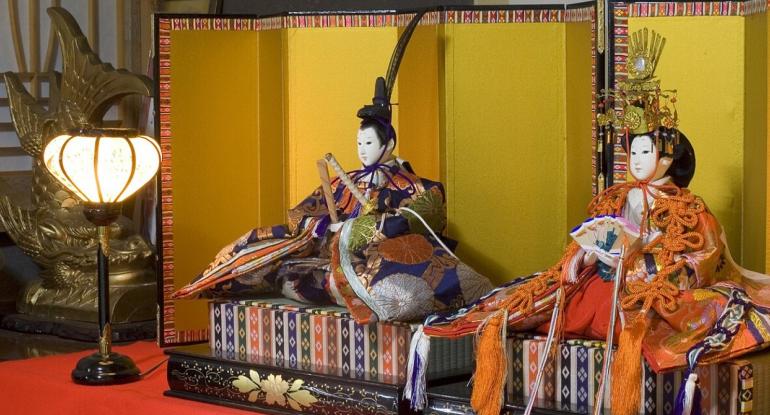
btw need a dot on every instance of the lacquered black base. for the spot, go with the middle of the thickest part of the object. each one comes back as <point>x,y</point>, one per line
<point>95,370</point>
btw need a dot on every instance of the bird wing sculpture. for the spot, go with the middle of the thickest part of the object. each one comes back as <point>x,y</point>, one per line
<point>27,114</point>
<point>21,227</point>
<point>88,86</point>
<point>53,231</point>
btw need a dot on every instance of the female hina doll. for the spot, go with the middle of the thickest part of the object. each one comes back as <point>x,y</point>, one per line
<point>681,297</point>
<point>383,260</point>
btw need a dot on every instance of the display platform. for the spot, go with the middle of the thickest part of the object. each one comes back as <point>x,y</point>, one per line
<point>198,373</point>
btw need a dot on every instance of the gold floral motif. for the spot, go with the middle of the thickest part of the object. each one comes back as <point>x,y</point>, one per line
<point>276,390</point>
<point>701,295</point>
<point>406,249</point>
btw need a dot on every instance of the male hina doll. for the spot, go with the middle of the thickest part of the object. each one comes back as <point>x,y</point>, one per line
<point>682,299</point>
<point>378,253</point>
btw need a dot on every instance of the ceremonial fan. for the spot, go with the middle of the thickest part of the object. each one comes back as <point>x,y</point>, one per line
<point>605,234</point>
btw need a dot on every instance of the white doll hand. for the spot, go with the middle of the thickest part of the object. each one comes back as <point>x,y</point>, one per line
<point>608,259</point>
<point>334,227</point>
<point>638,276</point>
<point>589,258</point>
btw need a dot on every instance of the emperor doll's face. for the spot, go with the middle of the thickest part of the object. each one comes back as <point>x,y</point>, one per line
<point>370,150</point>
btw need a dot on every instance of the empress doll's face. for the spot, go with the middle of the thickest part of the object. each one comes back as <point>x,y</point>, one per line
<point>643,158</point>
<point>369,148</point>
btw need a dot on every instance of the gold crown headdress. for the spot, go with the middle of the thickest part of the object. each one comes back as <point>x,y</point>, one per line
<point>644,107</point>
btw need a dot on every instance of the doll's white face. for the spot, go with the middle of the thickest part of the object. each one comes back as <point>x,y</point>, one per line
<point>370,150</point>
<point>643,158</point>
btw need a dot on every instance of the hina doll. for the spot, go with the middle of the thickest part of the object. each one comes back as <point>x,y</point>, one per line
<point>682,298</point>
<point>383,257</point>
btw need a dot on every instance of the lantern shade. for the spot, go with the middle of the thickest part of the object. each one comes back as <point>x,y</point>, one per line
<point>102,165</point>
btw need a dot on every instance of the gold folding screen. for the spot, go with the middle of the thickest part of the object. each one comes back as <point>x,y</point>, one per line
<point>507,148</point>
<point>494,103</point>
<point>716,58</point>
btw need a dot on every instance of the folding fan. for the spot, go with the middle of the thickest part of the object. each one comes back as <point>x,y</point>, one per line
<point>606,233</point>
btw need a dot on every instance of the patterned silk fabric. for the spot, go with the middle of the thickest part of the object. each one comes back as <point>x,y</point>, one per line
<point>696,294</point>
<point>394,269</point>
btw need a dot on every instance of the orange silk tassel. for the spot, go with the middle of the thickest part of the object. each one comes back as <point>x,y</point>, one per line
<point>627,367</point>
<point>489,378</point>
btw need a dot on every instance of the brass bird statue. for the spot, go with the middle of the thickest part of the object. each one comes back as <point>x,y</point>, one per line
<point>54,232</point>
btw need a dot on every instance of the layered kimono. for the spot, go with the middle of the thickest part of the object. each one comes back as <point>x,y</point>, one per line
<point>703,307</point>
<point>384,263</point>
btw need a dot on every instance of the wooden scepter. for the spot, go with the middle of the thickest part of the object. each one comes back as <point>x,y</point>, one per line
<point>326,186</point>
<point>366,205</point>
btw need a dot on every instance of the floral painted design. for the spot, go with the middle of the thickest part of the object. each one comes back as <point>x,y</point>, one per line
<point>407,249</point>
<point>274,390</point>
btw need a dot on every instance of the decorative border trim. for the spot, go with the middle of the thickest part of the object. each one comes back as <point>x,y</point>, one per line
<point>700,8</point>
<point>582,14</point>
<point>594,98</point>
<point>167,333</point>
<point>166,315</point>
<point>503,16</point>
<point>755,7</point>
<point>620,49</point>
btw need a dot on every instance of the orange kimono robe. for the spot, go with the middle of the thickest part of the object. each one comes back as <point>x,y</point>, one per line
<point>691,281</point>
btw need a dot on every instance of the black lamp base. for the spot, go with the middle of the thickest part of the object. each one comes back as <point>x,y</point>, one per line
<point>114,370</point>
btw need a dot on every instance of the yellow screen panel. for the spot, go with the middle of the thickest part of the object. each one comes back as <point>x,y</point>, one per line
<point>330,75</point>
<point>504,129</point>
<point>217,173</point>
<point>703,60</point>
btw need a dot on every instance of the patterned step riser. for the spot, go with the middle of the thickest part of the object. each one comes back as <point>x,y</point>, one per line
<point>573,378</point>
<point>314,339</point>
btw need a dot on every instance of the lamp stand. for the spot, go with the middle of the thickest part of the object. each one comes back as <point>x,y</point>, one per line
<point>104,367</point>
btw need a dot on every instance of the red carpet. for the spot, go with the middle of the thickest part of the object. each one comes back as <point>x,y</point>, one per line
<point>43,386</point>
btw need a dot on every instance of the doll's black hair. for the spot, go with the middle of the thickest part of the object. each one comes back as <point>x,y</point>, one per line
<point>379,129</point>
<point>671,142</point>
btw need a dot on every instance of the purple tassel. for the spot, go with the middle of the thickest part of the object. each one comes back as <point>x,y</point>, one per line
<point>682,397</point>
<point>414,391</point>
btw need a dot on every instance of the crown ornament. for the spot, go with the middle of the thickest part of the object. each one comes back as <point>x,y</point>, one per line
<point>639,105</point>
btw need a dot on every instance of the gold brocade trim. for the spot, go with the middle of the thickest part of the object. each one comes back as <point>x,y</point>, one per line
<point>759,325</point>
<point>601,26</point>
